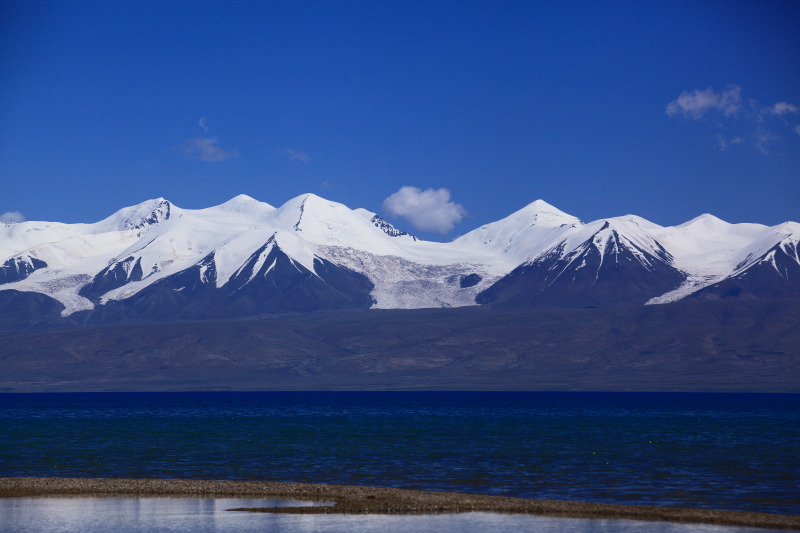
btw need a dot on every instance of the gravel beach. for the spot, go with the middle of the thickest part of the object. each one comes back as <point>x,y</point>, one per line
<point>349,499</point>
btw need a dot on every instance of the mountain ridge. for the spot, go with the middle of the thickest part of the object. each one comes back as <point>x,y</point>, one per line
<point>538,256</point>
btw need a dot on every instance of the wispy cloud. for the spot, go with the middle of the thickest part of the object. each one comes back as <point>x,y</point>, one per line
<point>326,185</point>
<point>724,107</point>
<point>297,155</point>
<point>12,216</point>
<point>725,143</point>
<point>782,108</point>
<point>204,149</point>
<point>797,129</point>
<point>429,210</point>
<point>202,124</point>
<point>697,103</point>
<point>763,138</point>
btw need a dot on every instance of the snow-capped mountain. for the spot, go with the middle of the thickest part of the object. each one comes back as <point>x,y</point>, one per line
<point>606,262</point>
<point>156,261</point>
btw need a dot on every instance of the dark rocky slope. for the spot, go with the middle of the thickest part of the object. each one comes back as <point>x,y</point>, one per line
<point>620,273</point>
<point>268,282</point>
<point>776,275</point>
<point>19,268</point>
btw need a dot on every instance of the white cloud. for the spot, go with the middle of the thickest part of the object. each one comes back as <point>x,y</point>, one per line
<point>782,108</point>
<point>697,103</point>
<point>327,185</point>
<point>429,210</point>
<point>204,149</point>
<point>12,216</point>
<point>297,155</point>
<point>202,124</point>
<point>797,129</point>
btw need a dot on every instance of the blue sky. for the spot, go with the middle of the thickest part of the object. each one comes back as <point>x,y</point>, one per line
<point>662,109</point>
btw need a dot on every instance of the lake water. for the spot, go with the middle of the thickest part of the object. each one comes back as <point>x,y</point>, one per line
<point>196,515</point>
<point>725,451</point>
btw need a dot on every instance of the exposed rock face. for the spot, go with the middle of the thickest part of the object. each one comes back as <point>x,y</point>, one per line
<point>19,268</point>
<point>160,213</point>
<point>469,281</point>
<point>112,277</point>
<point>388,228</point>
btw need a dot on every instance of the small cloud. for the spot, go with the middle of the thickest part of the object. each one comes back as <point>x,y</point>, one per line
<point>797,129</point>
<point>737,140</point>
<point>695,104</point>
<point>782,108</point>
<point>202,124</point>
<point>429,210</point>
<point>204,149</point>
<point>297,155</point>
<point>326,185</point>
<point>12,217</point>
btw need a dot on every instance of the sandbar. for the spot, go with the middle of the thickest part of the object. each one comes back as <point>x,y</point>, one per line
<point>353,499</point>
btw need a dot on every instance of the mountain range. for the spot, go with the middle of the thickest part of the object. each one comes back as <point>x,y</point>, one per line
<point>245,258</point>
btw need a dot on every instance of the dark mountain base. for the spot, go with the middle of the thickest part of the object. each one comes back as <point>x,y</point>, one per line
<point>20,311</point>
<point>687,346</point>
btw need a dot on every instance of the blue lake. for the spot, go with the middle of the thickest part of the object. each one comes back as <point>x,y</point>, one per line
<point>725,451</point>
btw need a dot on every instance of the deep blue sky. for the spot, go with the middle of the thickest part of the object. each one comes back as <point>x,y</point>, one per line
<point>499,102</point>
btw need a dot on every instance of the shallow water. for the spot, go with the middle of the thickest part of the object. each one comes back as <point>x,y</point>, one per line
<point>195,515</point>
<point>727,451</point>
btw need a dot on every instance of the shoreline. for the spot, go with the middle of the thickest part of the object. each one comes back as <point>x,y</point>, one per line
<point>354,499</point>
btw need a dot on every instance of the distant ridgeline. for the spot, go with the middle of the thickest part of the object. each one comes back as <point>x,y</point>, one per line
<point>244,258</point>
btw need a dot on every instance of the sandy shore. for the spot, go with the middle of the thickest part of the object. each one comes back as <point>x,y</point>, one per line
<point>350,499</point>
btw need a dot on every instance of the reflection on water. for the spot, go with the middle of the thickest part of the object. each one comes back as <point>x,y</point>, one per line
<point>200,515</point>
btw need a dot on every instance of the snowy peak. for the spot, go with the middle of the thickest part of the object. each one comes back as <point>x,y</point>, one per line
<point>629,235</point>
<point>523,234</point>
<point>705,222</point>
<point>241,206</point>
<point>598,266</point>
<point>159,214</point>
<point>242,203</point>
<point>290,215</point>
<point>137,217</point>
<point>322,222</point>
<point>708,226</point>
<point>540,213</point>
